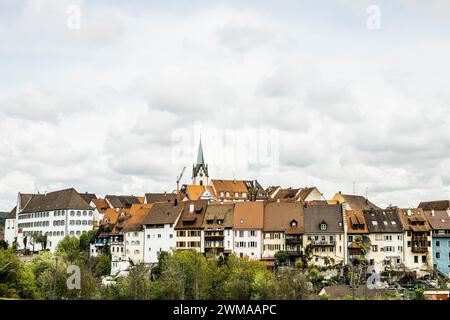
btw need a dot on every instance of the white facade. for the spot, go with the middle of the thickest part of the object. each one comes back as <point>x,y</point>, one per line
<point>189,239</point>
<point>387,251</point>
<point>158,238</point>
<point>55,224</point>
<point>422,263</point>
<point>134,246</point>
<point>119,261</point>
<point>248,242</point>
<point>315,195</point>
<point>272,243</point>
<point>326,245</point>
<point>10,230</point>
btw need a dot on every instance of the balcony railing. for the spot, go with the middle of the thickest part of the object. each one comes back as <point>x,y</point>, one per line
<point>322,243</point>
<point>294,253</point>
<point>214,235</point>
<point>293,241</point>
<point>419,249</point>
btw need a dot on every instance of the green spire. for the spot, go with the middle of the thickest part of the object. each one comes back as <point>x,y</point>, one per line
<point>200,158</point>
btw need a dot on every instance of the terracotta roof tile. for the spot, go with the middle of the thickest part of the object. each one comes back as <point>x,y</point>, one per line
<point>278,216</point>
<point>248,215</point>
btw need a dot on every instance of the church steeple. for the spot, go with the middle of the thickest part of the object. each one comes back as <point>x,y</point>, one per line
<point>200,158</point>
<point>200,169</point>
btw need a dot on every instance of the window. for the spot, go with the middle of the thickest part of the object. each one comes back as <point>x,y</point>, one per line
<point>416,259</point>
<point>78,213</point>
<point>438,243</point>
<point>375,223</point>
<point>323,226</point>
<point>159,235</point>
<point>252,233</point>
<point>228,194</point>
<point>241,233</point>
<point>424,259</point>
<point>400,237</point>
<point>236,194</point>
<point>72,213</point>
<point>375,248</point>
<point>438,255</point>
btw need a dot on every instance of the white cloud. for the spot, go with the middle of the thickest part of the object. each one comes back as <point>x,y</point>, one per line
<point>96,108</point>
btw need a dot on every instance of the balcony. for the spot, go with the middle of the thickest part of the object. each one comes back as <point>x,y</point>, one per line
<point>214,236</point>
<point>296,253</point>
<point>419,249</point>
<point>324,243</point>
<point>293,241</point>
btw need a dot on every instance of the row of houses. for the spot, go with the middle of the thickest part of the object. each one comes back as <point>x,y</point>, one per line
<point>241,217</point>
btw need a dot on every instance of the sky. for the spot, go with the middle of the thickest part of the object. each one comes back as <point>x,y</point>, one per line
<point>112,96</point>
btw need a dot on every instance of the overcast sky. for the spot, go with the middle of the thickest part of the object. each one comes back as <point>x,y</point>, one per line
<point>117,105</point>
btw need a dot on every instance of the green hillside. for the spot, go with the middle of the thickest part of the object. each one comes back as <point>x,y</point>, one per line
<point>2,223</point>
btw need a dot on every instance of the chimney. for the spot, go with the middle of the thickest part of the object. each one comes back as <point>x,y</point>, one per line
<point>448,212</point>
<point>191,208</point>
<point>175,203</point>
<point>432,212</point>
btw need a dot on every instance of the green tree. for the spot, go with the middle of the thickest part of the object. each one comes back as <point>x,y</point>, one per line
<point>16,278</point>
<point>281,257</point>
<point>86,239</point>
<point>68,249</point>
<point>3,245</point>
<point>419,295</point>
<point>42,240</point>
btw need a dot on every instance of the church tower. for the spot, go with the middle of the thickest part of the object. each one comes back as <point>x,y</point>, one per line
<point>200,169</point>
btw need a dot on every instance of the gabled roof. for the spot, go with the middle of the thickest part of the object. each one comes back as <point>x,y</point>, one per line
<point>194,219</point>
<point>163,213</point>
<point>248,215</point>
<point>216,212</point>
<point>88,197</point>
<point>296,194</point>
<point>122,201</point>
<point>358,203</point>
<point>194,192</point>
<point>438,219</point>
<point>12,214</point>
<point>435,205</point>
<point>25,198</point>
<point>278,216</point>
<point>383,221</point>
<point>356,223</point>
<point>414,220</point>
<point>135,217</point>
<point>160,197</point>
<point>229,186</point>
<point>111,215</point>
<point>100,204</point>
<point>331,214</point>
<point>57,200</point>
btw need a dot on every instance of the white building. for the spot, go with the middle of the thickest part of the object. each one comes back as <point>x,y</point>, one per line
<point>55,214</point>
<point>247,226</point>
<point>386,236</point>
<point>10,228</point>
<point>159,229</point>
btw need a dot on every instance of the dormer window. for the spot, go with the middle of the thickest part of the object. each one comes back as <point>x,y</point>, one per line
<point>293,224</point>
<point>323,226</point>
<point>236,194</point>
<point>228,194</point>
<point>244,194</point>
<point>220,221</point>
<point>221,194</point>
<point>242,221</point>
